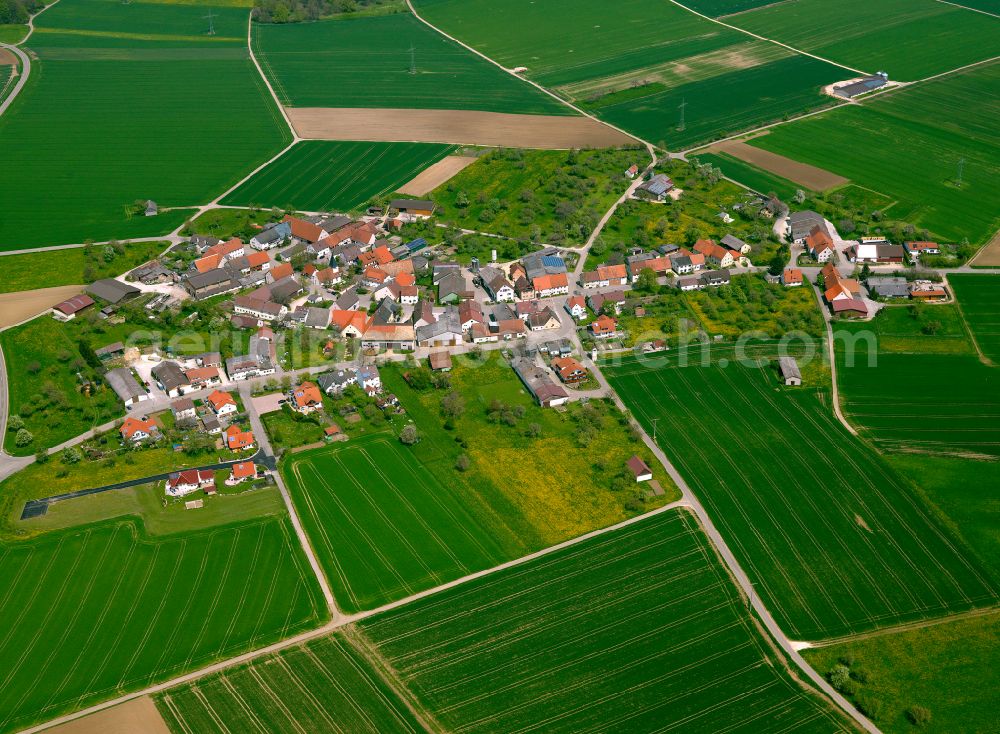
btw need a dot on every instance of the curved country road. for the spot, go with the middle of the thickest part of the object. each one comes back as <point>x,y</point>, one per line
<point>22,76</point>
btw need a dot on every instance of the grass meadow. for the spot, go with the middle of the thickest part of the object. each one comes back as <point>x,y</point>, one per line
<point>949,669</point>
<point>78,265</point>
<point>931,127</point>
<point>635,67</point>
<point>185,114</point>
<point>382,526</point>
<point>636,630</point>
<point>336,176</point>
<point>979,300</point>
<point>366,62</point>
<point>322,685</point>
<point>909,39</point>
<point>835,540</point>
<point>925,392</point>
<point>98,610</point>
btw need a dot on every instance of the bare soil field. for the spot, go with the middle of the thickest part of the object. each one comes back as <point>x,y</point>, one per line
<point>20,306</point>
<point>7,58</point>
<point>137,715</point>
<point>990,254</point>
<point>460,127</point>
<point>435,175</point>
<point>808,176</point>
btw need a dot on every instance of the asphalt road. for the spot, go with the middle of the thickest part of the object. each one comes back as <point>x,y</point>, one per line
<point>22,76</point>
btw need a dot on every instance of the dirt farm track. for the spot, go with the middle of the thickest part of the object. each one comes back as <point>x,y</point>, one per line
<point>461,127</point>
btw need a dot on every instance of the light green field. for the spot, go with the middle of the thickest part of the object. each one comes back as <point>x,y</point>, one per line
<point>933,126</point>
<point>96,611</point>
<point>198,120</point>
<point>949,669</point>
<point>366,62</point>
<point>320,175</point>
<point>836,542</point>
<point>761,181</point>
<point>909,39</point>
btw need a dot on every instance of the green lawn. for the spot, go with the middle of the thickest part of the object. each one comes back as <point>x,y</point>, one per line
<point>12,32</point>
<point>286,432</point>
<point>75,266</point>
<point>382,526</point>
<point>979,300</point>
<point>932,127</point>
<point>909,39</point>
<point>949,669</point>
<point>916,384</point>
<point>366,62</point>
<point>100,610</point>
<point>834,539</point>
<point>181,146</point>
<point>637,630</point>
<point>336,176</point>
<point>324,685</point>
<point>226,223</point>
<point>555,197</point>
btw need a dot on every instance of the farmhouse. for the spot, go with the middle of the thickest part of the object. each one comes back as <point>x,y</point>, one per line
<point>715,277</point>
<point>202,377</point>
<point>543,320</point>
<point>819,245</point>
<point>576,307</point>
<point>801,224</point>
<point>445,331</point>
<point>69,308</point>
<point>598,301</point>
<point>395,337</point>
<point>272,236</point>
<point>538,383</point>
<point>186,482</point>
<point>714,253</point>
<point>850,307</point>
<point>555,284</point>
<point>125,386</point>
<point>690,283</point>
<point>875,252</point>
<point>211,283</point>
<point>496,285</point>
<point>789,371</point>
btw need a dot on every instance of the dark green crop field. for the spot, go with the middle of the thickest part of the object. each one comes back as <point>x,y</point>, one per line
<point>719,8</point>
<point>931,127</point>
<point>320,175</point>
<point>96,611</point>
<point>636,66</point>
<point>909,39</point>
<point>925,388</point>
<point>637,630</point>
<point>835,540</point>
<point>324,685</point>
<point>382,527</point>
<point>130,102</point>
<point>979,300</point>
<point>366,62</point>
